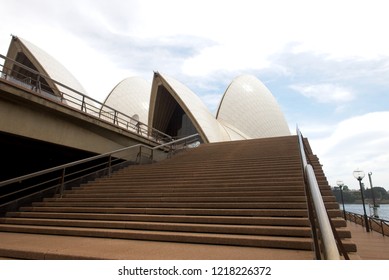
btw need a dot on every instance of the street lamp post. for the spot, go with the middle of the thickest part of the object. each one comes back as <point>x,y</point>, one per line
<point>375,206</point>
<point>359,174</point>
<point>340,185</point>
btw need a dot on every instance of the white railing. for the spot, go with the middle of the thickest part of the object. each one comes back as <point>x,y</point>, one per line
<point>330,248</point>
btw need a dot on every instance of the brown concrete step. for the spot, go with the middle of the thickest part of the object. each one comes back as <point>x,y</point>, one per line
<point>177,193</point>
<point>174,211</point>
<point>56,247</point>
<point>209,205</point>
<point>206,162</point>
<point>201,190</point>
<point>301,243</point>
<point>237,220</point>
<point>204,176</point>
<point>200,185</point>
<point>254,220</point>
<point>277,164</point>
<point>269,230</point>
<point>181,197</point>
<point>227,185</point>
<point>206,167</point>
<point>215,180</point>
<point>201,156</point>
<point>174,199</point>
<point>209,169</point>
<point>292,229</point>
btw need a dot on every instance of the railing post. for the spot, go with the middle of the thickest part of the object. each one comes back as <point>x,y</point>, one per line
<point>62,183</point>
<point>382,228</point>
<point>115,117</point>
<point>369,223</point>
<point>170,151</point>
<point>38,84</point>
<point>140,155</point>
<point>109,165</point>
<point>83,103</point>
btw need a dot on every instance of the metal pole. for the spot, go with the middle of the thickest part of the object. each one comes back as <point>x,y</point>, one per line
<point>109,165</point>
<point>341,196</point>
<point>62,182</point>
<point>140,155</point>
<point>375,206</point>
<point>364,208</point>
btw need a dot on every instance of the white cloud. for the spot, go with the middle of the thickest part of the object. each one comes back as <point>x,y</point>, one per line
<point>224,58</point>
<point>358,142</point>
<point>325,93</point>
<point>247,33</point>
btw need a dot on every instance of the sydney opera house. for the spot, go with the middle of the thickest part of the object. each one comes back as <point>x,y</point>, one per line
<point>241,181</point>
<point>247,109</point>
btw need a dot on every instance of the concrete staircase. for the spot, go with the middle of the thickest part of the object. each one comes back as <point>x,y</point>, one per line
<point>244,193</point>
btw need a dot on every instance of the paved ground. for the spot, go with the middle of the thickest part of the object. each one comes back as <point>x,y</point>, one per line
<point>370,245</point>
<point>63,247</point>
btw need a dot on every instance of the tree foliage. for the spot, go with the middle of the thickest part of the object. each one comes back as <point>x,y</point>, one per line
<point>351,196</point>
<point>379,193</point>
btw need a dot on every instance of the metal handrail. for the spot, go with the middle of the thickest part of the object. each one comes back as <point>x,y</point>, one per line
<point>78,100</point>
<point>382,225</point>
<point>165,148</point>
<point>328,239</point>
<point>74,163</point>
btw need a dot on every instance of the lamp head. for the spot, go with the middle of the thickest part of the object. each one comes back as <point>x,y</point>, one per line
<point>358,174</point>
<point>339,183</point>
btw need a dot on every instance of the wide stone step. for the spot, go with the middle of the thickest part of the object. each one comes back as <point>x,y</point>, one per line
<point>209,205</point>
<point>203,168</point>
<point>175,193</point>
<point>164,226</point>
<point>204,181</point>
<point>189,186</point>
<point>176,196</point>
<point>222,172</point>
<point>166,218</point>
<point>209,176</point>
<point>205,199</point>
<point>301,243</point>
<point>174,211</point>
<point>187,163</point>
<point>201,154</point>
<point>237,220</point>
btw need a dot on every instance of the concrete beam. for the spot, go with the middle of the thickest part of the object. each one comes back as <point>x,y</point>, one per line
<point>25,113</point>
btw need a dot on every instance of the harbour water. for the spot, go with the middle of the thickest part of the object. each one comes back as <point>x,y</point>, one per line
<point>383,210</point>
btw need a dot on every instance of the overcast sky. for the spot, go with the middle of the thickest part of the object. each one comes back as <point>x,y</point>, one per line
<point>326,62</point>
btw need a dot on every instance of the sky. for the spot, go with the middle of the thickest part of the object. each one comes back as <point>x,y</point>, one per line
<point>325,62</point>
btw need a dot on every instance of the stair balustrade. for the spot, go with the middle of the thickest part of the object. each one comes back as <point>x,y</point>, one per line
<point>328,239</point>
<point>27,188</point>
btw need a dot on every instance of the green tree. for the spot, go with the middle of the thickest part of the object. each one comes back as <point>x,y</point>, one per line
<point>348,196</point>
<point>379,193</point>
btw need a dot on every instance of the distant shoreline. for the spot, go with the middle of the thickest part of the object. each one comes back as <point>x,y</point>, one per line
<point>369,202</point>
